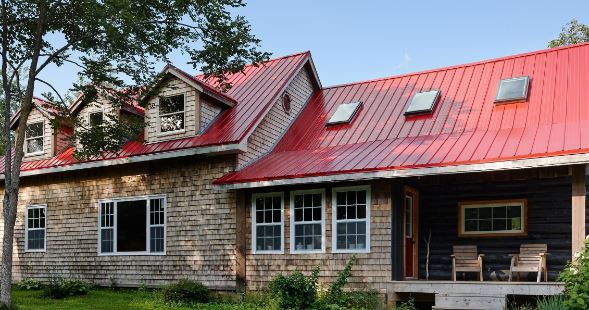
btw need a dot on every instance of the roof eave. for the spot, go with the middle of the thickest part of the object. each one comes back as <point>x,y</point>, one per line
<point>561,160</point>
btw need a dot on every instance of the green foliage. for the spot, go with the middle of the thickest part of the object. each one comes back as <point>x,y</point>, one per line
<point>407,305</point>
<point>335,291</point>
<point>362,300</point>
<point>60,288</point>
<point>572,33</point>
<point>30,285</point>
<point>295,290</point>
<point>186,292</point>
<point>551,303</point>
<point>575,277</point>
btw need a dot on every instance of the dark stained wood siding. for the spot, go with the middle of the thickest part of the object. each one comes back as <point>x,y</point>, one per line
<point>549,221</point>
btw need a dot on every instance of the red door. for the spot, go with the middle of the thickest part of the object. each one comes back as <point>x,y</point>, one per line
<point>411,232</point>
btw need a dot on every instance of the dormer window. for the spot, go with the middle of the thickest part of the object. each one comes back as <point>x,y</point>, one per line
<point>34,138</point>
<point>95,119</point>
<point>171,113</point>
<point>513,89</point>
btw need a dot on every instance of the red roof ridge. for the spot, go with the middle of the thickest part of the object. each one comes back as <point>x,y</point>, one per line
<point>469,64</point>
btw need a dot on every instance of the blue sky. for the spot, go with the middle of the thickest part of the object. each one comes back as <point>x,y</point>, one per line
<point>360,40</point>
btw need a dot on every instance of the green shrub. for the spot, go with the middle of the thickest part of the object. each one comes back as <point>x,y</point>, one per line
<point>186,292</point>
<point>60,288</point>
<point>295,290</point>
<point>407,305</point>
<point>551,303</point>
<point>575,277</point>
<point>29,285</point>
<point>362,300</point>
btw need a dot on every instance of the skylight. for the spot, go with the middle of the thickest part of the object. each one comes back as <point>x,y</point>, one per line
<point>513,89</point>
<point>423,102</point>
<point>344,113</point>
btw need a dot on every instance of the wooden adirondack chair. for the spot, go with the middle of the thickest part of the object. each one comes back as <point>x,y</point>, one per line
<point>466,259</point>
<point>531,258</point>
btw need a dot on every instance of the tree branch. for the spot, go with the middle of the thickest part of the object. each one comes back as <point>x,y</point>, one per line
<point>54,90</point>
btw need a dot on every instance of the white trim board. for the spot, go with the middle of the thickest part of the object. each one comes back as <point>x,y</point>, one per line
<point>561,160</point>
<point>211,150</point>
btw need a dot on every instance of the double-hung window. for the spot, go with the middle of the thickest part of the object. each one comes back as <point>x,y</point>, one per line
<point>307,221</point>
<point>35,230</point>
<point>171,113</point>
<point>267,223</point>
<point>135,225</point>
<point>351,219</point>
<point>34,138</point>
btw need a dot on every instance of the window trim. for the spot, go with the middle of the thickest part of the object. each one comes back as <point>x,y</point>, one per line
<point>254,223</point>
<point>488,203</point>
<point>26,145</point>
<point>159,116</point>
<point>35,206</point>
<point>148,225</point>
<point>293,249</point>
<point>335,221</point>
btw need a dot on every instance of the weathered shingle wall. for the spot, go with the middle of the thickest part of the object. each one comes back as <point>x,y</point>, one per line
<point>372,269</point>
<point>200,224</point>
<point>277,121</point>
<point>208,112</point>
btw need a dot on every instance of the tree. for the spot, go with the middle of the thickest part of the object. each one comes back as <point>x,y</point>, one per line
<point>115,44</point>
<point>572,33</point>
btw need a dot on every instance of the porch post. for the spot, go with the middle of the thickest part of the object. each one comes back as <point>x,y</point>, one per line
<point>240,240</point>
<point>578,207</point>
<point>397,230</point>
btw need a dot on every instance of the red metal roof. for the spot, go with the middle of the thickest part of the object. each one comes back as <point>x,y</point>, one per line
<point>254,90</point>
<point>466,126</point>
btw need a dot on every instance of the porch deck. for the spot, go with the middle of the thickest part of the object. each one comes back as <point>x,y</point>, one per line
<point>476,287</point>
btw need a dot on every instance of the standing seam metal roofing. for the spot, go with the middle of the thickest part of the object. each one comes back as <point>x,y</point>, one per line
<point>466,127</point>
<point>255,90</point>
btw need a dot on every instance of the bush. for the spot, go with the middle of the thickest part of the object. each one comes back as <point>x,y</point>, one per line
<point>295,290</point>
<point>29,285</point>
<point>575,277</point>
<point>60,288</point>
<point>551,303</point>
<point>362,300</point>
<point>186,292</point>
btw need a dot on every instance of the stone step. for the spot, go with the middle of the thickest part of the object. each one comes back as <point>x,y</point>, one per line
<point>469,301</point>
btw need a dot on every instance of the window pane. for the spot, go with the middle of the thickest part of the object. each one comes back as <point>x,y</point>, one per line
<point>341,198</point>
<point>308,236</point>
<point>157,239</point>
<point>36,239</point>
<point>106,240</point>
<point>351,198</point>
<point>471,213</point>
<point>361,197</point>
<point>514,211</point>
<point>171,104</point>
<point>351,211</point>
<point>485,213</point>
<point>485,225</point>
<point>34,130</point>
<point>471,225</point>
<point>317,214</point>
<point>316,200</point>
<point>361,211</point>
<point>516,223</point>
<point>499,212</point>
<point>298,215</point>
<point>341,213</point>
<point>95,119</point>
<point>131,226</point>
<point>172,122</point>
<point>498,224</point>
<point>35,145</point>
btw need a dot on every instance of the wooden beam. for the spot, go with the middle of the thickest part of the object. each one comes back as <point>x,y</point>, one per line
<point>578,207</point>
<point>397,235</point>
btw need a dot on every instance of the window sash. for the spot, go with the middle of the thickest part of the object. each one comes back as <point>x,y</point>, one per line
<point>155,240</point>
<point>273,223</point>
<point>33,138</point>
<point>179,112</point>
<point>336,235</point>
<point>42,217</point>
<point>521,204</point>
<point>294,223</point>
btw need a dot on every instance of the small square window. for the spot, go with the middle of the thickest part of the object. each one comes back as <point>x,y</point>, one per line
<point>423,102</point>
<point>95,119</point>
<point>513,89</point>
<point>345,113</point>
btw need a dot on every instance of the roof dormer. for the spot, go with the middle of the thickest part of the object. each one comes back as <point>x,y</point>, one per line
<point>184,107</point>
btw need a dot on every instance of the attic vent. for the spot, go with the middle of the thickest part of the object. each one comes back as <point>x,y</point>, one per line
<point>344,113</point>
<point>513,89</point>
<point>423,102</point>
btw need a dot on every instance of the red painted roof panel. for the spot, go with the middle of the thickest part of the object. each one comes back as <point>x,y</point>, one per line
<point>466,126</point>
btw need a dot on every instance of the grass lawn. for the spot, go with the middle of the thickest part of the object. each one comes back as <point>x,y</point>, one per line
<point>105,299</point>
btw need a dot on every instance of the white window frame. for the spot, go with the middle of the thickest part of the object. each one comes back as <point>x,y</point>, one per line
<point>335,221</point>
<point>255,224</point>
<point>159,116</point>
<point>38,206</point>
<point>522,203</point>
<point>101,111</point>
<point>42,136</point>
<point>293,249</point>
<point>148,225</point>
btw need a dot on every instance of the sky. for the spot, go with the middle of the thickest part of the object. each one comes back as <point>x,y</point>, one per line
<point>361,40</point>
